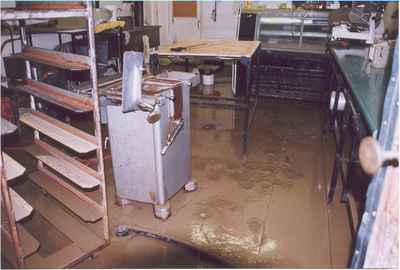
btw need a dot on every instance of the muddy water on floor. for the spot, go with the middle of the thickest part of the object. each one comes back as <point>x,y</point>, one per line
<point>282,134</point>
<point>264,209</point>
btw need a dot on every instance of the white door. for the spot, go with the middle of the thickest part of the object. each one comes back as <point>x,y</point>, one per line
<point>219,19</point>
<point>185,21</point>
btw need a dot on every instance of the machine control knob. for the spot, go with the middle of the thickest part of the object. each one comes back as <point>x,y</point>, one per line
<point>373,157</point>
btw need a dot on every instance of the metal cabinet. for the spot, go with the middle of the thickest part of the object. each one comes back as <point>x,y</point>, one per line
<point>146,167</point>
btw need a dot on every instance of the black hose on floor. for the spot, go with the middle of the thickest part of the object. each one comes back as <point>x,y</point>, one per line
<point>123,231</point>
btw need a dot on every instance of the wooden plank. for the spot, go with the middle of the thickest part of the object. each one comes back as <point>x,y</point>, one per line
<point>67,61</point>
<point>67,224</point>
<point>7,127</point>
<point>12,168</point>
<point>29,243</point>
<point>58,162</point>
<point>53,185</point>
<point>68,100</point>
<point>383,246</point>
<point>21,208</point>
<point>59,259</point>
<point>59,154</point>
<point>69,136</point>
<point>232,49</point>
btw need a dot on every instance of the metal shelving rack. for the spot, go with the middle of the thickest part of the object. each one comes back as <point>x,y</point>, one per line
<point>79,190</point>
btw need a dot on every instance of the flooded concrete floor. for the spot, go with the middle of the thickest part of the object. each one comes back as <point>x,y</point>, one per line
<point>266,209</point>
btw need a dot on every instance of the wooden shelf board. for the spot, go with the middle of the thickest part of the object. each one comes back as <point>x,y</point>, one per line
<point>12,168</point>
<point>7,127</point>
<point>69,136</point>
<point>79,174</point>
<point>28,243</point>
<point>68,100</point>
<point>66,61</point>
<point>21,208</point>
<point>84,240</point>
<point>51,184</point>
<point>59,259</point>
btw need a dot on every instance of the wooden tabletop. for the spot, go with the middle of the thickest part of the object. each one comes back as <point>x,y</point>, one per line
<point>213,48</point>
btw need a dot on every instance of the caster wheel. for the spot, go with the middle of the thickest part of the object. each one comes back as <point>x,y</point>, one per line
<point>162,211</point>
<point>122,230</point>
<point>122,202</point>
<point>191,186</point>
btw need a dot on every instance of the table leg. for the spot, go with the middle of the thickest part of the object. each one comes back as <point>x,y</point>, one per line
<point>246,128</point>
<point>60,41</point>
<point>356,138</point>
<point>154,64</point>
<point>186,64</point>
<point>337,166</point>
<point>329,115</point>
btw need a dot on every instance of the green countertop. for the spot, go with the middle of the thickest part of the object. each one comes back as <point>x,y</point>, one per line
<point>367,84</point>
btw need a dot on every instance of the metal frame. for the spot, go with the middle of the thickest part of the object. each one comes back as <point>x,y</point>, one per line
<point>340,123</point>
<point>248,103</point>
<point>351,119</point>
<point>32,74</point>
<point>293,15</point>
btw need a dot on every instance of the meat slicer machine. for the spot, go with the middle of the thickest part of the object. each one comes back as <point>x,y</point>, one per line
<point>149,135</point>
<point>356,24</point>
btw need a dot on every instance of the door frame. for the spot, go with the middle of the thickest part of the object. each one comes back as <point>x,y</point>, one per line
<point>389,123</point>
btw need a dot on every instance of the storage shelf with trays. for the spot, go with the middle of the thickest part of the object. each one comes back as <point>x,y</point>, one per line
<point>71,206</point>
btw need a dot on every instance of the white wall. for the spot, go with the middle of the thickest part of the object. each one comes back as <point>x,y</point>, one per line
<point>224,27</point>
<point>160,13</point>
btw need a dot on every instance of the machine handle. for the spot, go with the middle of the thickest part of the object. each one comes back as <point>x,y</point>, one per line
<point>172,135</point>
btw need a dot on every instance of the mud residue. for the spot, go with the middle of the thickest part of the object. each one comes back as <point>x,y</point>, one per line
<point>251,174</point>
<point>215,206</point>
<point>224,242</point>
<point>255,225</point>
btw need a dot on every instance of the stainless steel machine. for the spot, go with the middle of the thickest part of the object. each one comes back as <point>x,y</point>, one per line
<point>150,138</point>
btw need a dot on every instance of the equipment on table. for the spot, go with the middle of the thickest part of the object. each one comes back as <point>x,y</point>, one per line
<point>379,54</point>
<point>295,31</point>
<point>180,49</point>
<point>356,24</point>
<point>150,138</point>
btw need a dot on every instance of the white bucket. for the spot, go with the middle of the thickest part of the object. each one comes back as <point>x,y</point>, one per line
<point>208,84</point>
<point>208,79</point>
